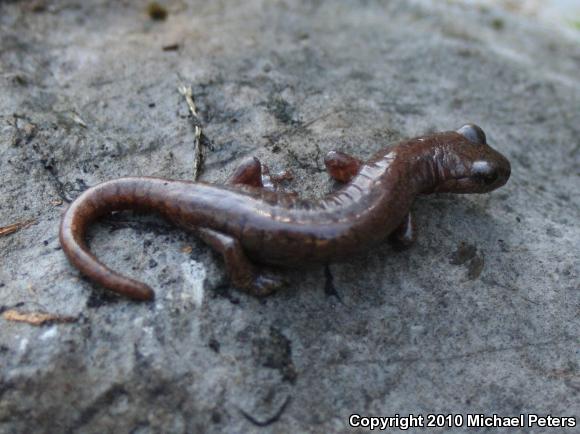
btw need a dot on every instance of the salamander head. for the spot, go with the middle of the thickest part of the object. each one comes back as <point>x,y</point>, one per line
<point>465,163</point>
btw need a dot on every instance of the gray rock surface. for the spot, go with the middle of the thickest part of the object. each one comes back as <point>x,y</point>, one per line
<point>480,316</point>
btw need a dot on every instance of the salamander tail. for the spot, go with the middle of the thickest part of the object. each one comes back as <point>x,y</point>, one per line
<point>93,203</point>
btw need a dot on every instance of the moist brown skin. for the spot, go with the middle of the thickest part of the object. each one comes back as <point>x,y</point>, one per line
<point>248,223</point>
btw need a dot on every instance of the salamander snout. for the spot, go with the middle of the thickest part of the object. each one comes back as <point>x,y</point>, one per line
<point>489,169</point>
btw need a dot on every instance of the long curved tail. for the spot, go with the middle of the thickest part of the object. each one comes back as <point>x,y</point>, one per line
<point>116,195</point>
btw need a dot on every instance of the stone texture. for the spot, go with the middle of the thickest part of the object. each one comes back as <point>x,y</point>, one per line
<point>481,316</point>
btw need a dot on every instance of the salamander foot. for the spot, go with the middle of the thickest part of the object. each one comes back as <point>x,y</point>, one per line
<point>255,174</point>
<point>243,274</point>
<point>405,235</point>
<point>265,283</point>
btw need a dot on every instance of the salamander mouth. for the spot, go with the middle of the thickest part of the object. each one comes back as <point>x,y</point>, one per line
<point>488,179</point>
<point>472,184</point>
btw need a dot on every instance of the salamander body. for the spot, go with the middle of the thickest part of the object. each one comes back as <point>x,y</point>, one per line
<point>250,223</point>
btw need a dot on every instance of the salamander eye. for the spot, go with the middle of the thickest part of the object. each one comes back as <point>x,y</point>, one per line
<point>473,133</point>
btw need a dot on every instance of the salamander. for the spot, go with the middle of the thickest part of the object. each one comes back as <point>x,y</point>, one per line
<point>254,226</point>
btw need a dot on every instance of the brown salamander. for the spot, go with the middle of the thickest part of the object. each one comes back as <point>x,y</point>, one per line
<point>249,223</point>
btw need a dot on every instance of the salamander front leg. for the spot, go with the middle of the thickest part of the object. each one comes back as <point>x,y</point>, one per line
<point>342,167</point>
<point>405,235</point>
<point>243,274</point>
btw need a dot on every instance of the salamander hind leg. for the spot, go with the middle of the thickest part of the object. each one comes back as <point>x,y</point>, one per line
<point>247,173</point>
<point>405,235</point>
<point>243,274</point>
<point>273,181</point>
<point>342,167</point>
<point>255,174</point>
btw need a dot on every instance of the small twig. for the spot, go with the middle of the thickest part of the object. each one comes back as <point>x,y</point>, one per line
<point>271,419</point>
<point>197,153</point>
<point>10,229</point>
<point>171,47</point>
<point>36,318</point>
<point>78,120</point>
